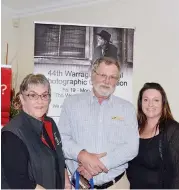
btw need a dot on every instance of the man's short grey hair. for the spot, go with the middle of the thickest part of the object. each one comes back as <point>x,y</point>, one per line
<point>107,61</point>
<point>33,79</point>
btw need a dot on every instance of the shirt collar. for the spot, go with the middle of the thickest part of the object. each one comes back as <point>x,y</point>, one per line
<point>93,98</point>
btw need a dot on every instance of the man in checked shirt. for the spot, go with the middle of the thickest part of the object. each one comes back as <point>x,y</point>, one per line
<point>99,131</point>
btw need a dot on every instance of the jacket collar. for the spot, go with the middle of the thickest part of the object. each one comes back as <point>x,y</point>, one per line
<point>35,124</point>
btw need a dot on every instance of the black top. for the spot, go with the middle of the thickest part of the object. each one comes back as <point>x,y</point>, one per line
<point>144,170</point>
<point>26,159</point>
<point>15,157</point>
<point>15,161</point>
<point>167,148</point>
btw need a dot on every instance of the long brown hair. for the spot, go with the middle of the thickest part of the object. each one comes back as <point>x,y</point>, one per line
<point>166,112</point>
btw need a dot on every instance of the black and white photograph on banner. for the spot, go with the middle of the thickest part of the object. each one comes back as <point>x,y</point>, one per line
<point>64,53</point>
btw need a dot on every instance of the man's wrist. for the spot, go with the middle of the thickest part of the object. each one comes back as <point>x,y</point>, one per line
<point>79,155</point>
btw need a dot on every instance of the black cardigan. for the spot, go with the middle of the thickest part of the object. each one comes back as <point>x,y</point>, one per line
<point>169,152</point>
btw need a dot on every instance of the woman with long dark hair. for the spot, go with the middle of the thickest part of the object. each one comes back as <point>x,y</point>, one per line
<point>157,163</point>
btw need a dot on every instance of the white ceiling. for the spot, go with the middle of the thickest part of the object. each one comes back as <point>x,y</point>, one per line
<point>21,8</point>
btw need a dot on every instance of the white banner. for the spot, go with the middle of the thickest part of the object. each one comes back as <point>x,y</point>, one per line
<point>64,54</point>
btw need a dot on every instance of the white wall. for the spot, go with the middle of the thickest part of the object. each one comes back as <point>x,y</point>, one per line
<point>10,36</point>
<point>156,51</point>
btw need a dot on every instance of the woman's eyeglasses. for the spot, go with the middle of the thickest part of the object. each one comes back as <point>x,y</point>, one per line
<point>35,96</point>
